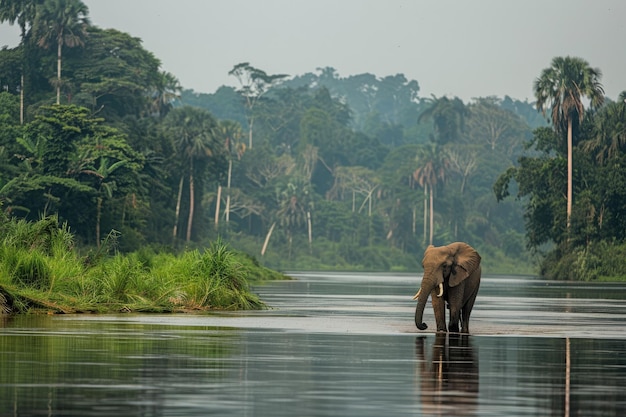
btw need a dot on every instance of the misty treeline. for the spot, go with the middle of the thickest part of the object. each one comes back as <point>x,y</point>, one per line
<point>313,171</point>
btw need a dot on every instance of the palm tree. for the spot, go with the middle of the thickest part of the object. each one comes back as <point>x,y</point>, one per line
<point>165,91</point>
<point>448,117</point>
<point>106,186</point>
<point>229,133</point>
<point>61,23</point>
<point>191,130</point>
<point>23,12</point>
<point>561,88</point>
<point>431,169</point>
<point>609,134</point>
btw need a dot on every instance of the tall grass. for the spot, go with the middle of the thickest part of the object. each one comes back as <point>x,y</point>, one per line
<point>41,270</point>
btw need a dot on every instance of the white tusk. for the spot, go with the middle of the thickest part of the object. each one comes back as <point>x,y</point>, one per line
<point>417,295</point>
<point>440,290</point>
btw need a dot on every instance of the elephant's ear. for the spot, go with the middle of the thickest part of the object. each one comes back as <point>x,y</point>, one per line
<point>466,261</point>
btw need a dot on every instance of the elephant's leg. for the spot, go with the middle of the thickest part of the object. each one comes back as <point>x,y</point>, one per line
<point>439,308</point>
<point>455,315</point>
<point>455,300</point>
<point>466,311</point>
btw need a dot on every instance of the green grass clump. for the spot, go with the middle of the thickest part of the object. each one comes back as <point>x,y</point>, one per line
<point>40,270</point>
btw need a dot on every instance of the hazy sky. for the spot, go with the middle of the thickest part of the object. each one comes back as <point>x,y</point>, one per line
<point>458,48</point>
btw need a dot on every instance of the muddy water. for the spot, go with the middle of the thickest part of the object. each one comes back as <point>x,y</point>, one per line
<point>332,345</point>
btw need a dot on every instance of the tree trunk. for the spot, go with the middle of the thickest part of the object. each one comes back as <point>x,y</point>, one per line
<point>22,98</point>
<point>217,206</point>
<point>308,221</point>
<point>191,203</point>
<point>432,216</point>
<point>250,131</point>
<point>425,212</point>
<point>230,170</point>
<point>180,196</point>
<point>267,239</point>
<point>98,215</point>
<point>569,173</point>
<point>59,46</point>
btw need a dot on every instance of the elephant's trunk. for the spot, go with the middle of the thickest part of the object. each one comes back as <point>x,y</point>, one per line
<point>422,297</point>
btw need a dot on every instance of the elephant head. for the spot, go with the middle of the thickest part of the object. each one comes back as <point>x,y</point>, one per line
<point>444,267</point>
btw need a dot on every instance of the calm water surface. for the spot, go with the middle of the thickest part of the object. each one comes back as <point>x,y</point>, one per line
<point>332,345</point>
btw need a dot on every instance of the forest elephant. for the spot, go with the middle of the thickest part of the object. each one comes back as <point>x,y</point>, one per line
<point>449,379</point>
<point>452,276</point>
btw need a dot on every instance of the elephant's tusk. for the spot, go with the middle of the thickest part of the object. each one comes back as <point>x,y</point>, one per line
<point>440,290</point>
<point>417,295</point>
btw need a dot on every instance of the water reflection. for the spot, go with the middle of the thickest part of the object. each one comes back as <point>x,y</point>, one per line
<point>449,377</point>
<point>332,345</point>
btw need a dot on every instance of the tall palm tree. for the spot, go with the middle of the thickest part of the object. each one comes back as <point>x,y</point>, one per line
<point>609,134</point>
<point>61,23</point>
<point>561,88</point>
<point>166,90</point>
<point>191,130</point>
<point>431,169</point>
<point>230,133</point>
<point>23,12</point>
<point>20,11</point>
<point>448,117</point>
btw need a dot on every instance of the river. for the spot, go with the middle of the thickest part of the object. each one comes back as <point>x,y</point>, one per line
<point>331,345</point>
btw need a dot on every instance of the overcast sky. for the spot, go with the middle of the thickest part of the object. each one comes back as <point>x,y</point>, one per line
<point>458,48</point>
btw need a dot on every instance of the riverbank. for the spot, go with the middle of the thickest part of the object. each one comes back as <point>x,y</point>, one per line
<point>41,272</point>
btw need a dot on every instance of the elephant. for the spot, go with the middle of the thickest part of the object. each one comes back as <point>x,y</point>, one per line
<point>449,380</point>
<point>452,276</point>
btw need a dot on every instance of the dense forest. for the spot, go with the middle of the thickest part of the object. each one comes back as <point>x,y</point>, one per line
<point>312,171</point>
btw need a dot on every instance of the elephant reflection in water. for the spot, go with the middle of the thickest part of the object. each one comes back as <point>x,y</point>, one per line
<point>449,380</point>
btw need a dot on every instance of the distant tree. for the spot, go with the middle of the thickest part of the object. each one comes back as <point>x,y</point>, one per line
<point>61,23</point>
<point>23,12</point>
<point>115,77</point>
<point>229,134</point>
<point>491,125</point>
<point>192,132</point>
<point>608,140</point>
<point>448,118</point>
<point>431,169</point>
<point>254,84</point>
<point>561,89</point>
<point>166,89</point>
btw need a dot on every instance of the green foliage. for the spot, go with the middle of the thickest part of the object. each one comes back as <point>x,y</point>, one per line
<point>336,167</point>
<point>39,269</point>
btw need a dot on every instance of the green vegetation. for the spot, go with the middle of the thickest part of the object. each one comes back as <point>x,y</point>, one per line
<point>41,270</point>
<point>306,172</point>
<point>586,236</point>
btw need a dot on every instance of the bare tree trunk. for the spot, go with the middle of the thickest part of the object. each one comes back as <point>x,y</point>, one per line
<point>180,196</point>
<point>569,173</point>
<point>98,215</point>
<point>308,220</point>
<point>230,170</point>
<point>59,46</point>
<point>217,206</point>
<point>267,239</point>
<point>425,211</point>
<point>432,215</point>
<point>22,98</point>
<point>191,204</point>
<point>250,131</point>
